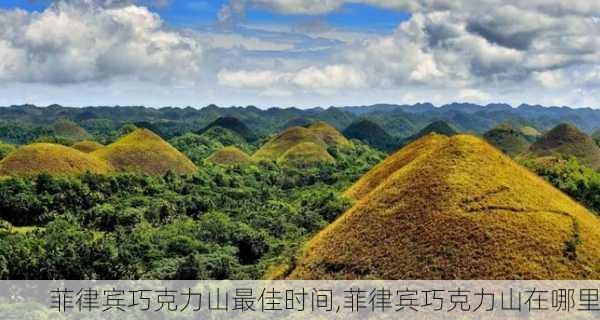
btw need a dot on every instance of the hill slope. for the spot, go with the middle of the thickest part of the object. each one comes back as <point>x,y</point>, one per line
<point>50,158</point>
<point>330,135</point>
<point>229,156</point>
<point>287,139</point>
<point>69,129</point>
<point>567,141</point>
<point>438,127</point>
<point>305,154</point>
<point>87,146</point>
<point>145,152</point>
<point>508,140</point>
<point>233,124</point>
<point>460,210</point>
<point>370,133</point>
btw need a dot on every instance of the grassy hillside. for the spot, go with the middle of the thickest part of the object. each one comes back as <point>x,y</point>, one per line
<point>50,158</point>
<point>439,127</point>
<point>229,156</point>
<point>87,146</point>
<point>305,154</point>
<point>277,146</point>
<point>567,141</point>
<point>330,135</point>
<point>145,152</point>
<point>459,210</point>
<point>5,149</point>
<point>508,140</point>
<point>69,129</point>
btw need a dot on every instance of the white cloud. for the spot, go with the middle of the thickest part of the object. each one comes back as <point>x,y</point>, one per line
<point>550,79</point>
<point>84,42</point>
<point>473,95</point>
<point>324,80</point>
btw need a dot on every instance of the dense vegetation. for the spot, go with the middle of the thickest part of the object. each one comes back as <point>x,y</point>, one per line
<point>220,223</point>
<point>580,182</point>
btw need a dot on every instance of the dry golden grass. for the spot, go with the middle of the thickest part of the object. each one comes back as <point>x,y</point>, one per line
<point>330,135</point>
<point>145,152</point>
<point>87,146</point>
<point>320,134</point>
<point>567,141</point>
<point>460,209</point>
<point>305,154</point>
<point>407,155</point>
<point>229,156</point>
<point>277,146</point>
<point>50,158</point>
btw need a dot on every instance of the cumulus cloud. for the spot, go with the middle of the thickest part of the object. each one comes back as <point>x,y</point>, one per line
<point>324,80</point>
<point>86,41</point>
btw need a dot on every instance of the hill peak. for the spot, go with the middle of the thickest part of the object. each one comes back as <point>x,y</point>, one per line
<point>50,158</point>
<point>454,208</point>
<point>567,141</point>
<point>144,151</point>
<point>329,134</point>
<point>232,123</point>
<point>229,156</point>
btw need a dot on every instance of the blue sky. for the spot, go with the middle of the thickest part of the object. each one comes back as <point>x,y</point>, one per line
<point>301,53</point>
<point>201,13</point>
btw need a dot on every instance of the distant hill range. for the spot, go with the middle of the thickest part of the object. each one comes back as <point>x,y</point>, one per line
<point>401,121</point>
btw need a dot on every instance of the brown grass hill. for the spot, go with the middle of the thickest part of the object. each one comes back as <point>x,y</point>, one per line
<point>305,154</point>
<point>229,156</point>
<point>509,140</point>
<point>69,129</point>
<point>278,145</point>
<point>567,141</point>
<point>145,152</point>
<point>330,135</point>
<point>50,158</point>
<point>454,208</point>
<point>87,146</point>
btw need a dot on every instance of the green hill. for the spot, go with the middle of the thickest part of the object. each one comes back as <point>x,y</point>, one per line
<point>87,146</point>
<point>69,129</point>
<point>567,141</point>
<point>233,124</point>
<point>229,156</point>
<point>439,127</point>
<point>372,134</point>
<point>145,152</point>
<point>508,140</point>
<point>454,208</point>
<point>54,159</point>
<point>596,136</point>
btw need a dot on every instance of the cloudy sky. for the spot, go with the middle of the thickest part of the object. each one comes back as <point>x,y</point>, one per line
<point>299,52</point>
